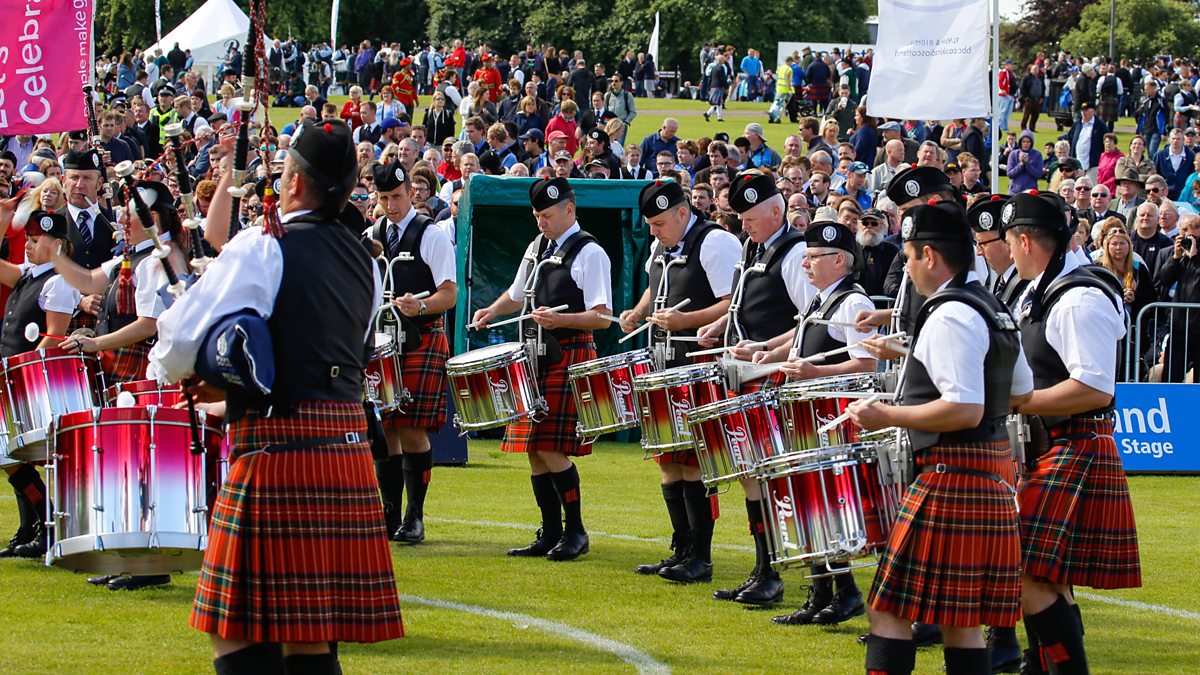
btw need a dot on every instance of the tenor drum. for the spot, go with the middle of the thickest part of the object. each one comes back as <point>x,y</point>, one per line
<point>664,400</point>
<point>603,390</point>
<point>807,406</point>
<point>39,386</point>
<point>130,497</point>
<point>733,435</point>
<point>145,392</point>
<point>382,384</point>
<point>828,505</point>
<point>493,386</point>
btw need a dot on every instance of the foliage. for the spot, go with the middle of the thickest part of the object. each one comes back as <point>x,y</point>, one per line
<point>1045,23</point>
<point>1144,28</point>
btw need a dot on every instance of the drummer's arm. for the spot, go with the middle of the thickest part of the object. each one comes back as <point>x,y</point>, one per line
<point>703,317</point>
<point>441,301</point>
<point>777,349</point>
<point>849,367</point>
<point>144,327</point>
<point>87,282</point>
<point>10,274</point>
<point>939,416</point>
<point>593,319</point>
<point>56,324</point>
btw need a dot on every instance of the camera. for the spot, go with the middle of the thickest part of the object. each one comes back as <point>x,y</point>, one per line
<point>1187,242</point>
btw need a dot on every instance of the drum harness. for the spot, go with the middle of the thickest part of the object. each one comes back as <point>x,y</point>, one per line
<point>660,339</point>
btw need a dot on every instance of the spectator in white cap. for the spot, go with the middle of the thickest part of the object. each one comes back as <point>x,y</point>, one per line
<point>759,155</point>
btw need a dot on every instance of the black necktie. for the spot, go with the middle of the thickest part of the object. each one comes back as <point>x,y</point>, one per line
<point>758,254</point>
<point>1001,284</point>
<point>393,240</point>
<point>816,304</point>
<point>672,252</point>
<point>85,232</point>
<point>549,250</point>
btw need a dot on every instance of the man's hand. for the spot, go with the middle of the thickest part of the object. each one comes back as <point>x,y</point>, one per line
<point>482,318</point>
<point>667,319</point>
<point>709,335</point>
<point>798,369</point>
<point>870,416</point>
<point>547,318</point>
<point>409,306</point>
<point>629,320</point>
<point>868,319</point>
<point>90,304</point>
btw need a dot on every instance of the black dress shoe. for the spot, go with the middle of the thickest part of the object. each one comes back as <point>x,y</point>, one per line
<point>845,605</point>
<point>539,548</point>
<point>1004,648</point>
<point>653,568</point>
<point>690,571</point>
<point>1031,663</point>
<point>926,634</point>
<point>732,593</point>
<point>811,607</point>
<point>102,580</point>
<point>136,582</point>
<point>767,589</point>
<point>411,532</point>
<point>569,547</point>
<point>34,548</point>
<point>24,535</point>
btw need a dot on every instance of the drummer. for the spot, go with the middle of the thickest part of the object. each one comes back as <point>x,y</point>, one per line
<point>421,260</point>
<point>693,259</point>
<point>43,299</point>
<point>773,292</point>
<point>984,218</point>
<point>582,281</point>
<point>953,557</point>
<point>831,262</point>
<point>134,293</point>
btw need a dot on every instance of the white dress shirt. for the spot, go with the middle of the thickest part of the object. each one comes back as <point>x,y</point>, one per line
<point>719,253</point>
<point>436,250</point>
<point>590,270</point>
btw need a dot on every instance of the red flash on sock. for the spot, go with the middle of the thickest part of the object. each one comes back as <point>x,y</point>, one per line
<point>1055,653</point>
<point>715,503</point>
<point>571,496</point>
<point>426,476</point>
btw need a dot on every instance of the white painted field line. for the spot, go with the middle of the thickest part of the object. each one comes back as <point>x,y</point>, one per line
<point>1130,604</point>
<point>638,659</point>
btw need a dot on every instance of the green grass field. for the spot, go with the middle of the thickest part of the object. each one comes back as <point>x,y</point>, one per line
<point>56,623</point>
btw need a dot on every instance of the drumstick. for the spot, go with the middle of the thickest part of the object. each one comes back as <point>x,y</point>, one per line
<point>839,324</point>
<point>681,305</point>
<point>422,295</point>
<point>842,350</point>
<point>722,350</point>
<point>610,317</point>
<point>824,428</point>
<point>32,333</point>
<point>517,318</point>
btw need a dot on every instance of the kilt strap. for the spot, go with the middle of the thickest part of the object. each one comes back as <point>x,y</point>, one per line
<point>348,438</point>
<point>941,467</point>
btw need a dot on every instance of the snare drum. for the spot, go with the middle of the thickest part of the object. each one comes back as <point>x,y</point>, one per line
<point>808,405</point>
<point>39,386</point>
<point>732,436</point>
<point>145,392</point>
<point>382,384</point>
<point>665,398</point>
<point>131,498</point>
<point>603,390</point>
<point>827,505</point>
<point>493,386</point>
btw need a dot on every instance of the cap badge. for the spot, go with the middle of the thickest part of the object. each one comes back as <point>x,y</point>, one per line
<point>552,192</point>
<point>985,220</point>
<point>661,201</point>
<point>829,233</point>
<point>1007,214</point>
<point>47,223</point>
<point>913,188</point>
<point>907,227</point>
<point>751,195</point>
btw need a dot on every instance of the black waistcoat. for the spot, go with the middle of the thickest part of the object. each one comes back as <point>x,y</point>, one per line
<point>410,272</point>
<point>1003,348</point>
<point>766,308</point>
<point>319,322</point>
<point>555,287</point>
<point>686,278</point>
<point>21,310</point>
<point>816,336</point>
<point>109,320</point>
<point>1048,367</point>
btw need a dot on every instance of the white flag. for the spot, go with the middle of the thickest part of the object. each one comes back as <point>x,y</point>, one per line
<point>158,21</point>
<point>653,49</point>
<point>931,60</point>
<point>333,25</point>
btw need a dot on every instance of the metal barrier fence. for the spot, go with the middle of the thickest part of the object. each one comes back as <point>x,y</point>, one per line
<point>1169,334</point>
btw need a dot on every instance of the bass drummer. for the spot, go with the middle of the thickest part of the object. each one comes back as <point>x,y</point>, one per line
<point>773,291</point>
<point>573,270</point>
<point>44,299</point>
<point>420,260</point>
<point>831,262</point>
<point>133,288</point>
<point>693,259</point>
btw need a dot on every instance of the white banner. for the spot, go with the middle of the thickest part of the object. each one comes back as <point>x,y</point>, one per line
<point>158,21</point>
<point>333,25</point>
<point>653,49</point>
<point>931,60</point>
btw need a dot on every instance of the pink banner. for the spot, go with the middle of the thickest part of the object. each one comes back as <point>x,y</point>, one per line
<point>45,59</point>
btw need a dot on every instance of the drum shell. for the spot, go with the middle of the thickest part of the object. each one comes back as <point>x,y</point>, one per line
<point>664,399</point>
<point>494,388</point>
<point>734,435</point>
<point>131,498</point>
<point>145,392</point>
<point>382,382</point>
<point>807,406</point>
<point>603,391</point>
<point>39,386</point>
<point>827,506</point>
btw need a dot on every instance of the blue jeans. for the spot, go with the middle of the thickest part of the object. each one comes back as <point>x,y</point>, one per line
<point>1006,108</point>
<point>1152,143</point>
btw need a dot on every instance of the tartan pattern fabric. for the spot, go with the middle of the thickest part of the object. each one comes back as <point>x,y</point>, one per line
<point>1077,524</point>
<point>772,381</point>
<point>954,557</point>
<point>298,549</point>
<point>1106,108</point>
<point>556,433</point>
<point>79,320</point>
<point>125,364</point>
<point>423,373</point>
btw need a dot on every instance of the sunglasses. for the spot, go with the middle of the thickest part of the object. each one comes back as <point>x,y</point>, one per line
<point>1154,190</point>
<point>1082,188</point>
<point>268,148</point>
<point>1099,194</point>
<point>359,198</point>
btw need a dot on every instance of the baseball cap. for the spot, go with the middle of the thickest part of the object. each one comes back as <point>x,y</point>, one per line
<point>858,167</point>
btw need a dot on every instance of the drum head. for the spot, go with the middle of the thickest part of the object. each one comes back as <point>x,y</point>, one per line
<point>487,357</point>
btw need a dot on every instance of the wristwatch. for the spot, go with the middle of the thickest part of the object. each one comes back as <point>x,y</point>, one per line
<point>424,307</point>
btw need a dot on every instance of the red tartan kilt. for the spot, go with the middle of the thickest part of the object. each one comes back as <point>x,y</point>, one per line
<point>298,551</point>
<point>125,364</point>
<point>1077,524</point>
<point>81,320</point>
<point>819,92</point>
<point>423,373</point>
<point>555,433</point>
<point>954,556</point>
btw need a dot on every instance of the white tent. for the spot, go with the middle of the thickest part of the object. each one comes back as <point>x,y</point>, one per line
<point>208,32</point>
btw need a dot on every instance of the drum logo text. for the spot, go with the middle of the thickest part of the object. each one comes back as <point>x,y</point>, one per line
<point>739,439</point>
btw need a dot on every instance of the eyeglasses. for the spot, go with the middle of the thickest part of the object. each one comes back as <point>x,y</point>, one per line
<point>1154,190</point>
<point>267,148</point>
<point>1100,194</point>
<point>981,244</point>
<point>420,188</point>
<point>1082,188</point>
<point>813,256</point>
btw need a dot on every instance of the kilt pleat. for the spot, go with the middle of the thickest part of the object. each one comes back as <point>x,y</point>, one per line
<point>297,549</point>
<point>125,364</point>
<point>953,557</point>
<point>423,373</point>
<point>1077,523</point>
<point>555,433</point>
